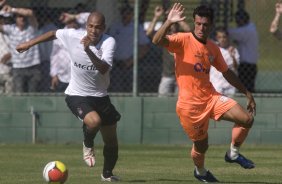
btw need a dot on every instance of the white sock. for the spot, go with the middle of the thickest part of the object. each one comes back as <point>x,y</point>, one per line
<point>201,171</point>
<point>233,152</point>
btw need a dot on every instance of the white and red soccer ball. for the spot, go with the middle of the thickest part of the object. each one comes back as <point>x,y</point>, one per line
<point>55,172</point>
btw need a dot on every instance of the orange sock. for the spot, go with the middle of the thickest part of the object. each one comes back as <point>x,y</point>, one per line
<point>239,135</point>
<point>198,158</point>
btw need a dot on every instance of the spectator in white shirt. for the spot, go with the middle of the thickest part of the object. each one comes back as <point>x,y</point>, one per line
<point>5,67</point>
<point>231,57</point>
<point>26,67</point>
<point>60,63</point>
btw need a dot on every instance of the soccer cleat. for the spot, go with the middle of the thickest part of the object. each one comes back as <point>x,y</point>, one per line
<point>112,178</point>
<point>208,178</point>
<point>241,160</point>
<point>88,156</point>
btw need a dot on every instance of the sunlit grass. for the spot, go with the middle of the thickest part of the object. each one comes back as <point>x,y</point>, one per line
<point>23,164</point>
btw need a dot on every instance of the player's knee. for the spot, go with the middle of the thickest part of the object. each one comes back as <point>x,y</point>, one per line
<point>201,146</point>
<point>92,122</point>
<point>249,122</point>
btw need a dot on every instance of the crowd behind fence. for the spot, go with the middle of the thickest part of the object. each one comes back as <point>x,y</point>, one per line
<point>259,68</point>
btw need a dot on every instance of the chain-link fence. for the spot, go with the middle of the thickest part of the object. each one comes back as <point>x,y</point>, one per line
<point>260,68</point>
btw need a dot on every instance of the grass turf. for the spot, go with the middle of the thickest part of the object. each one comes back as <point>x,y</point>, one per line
<point>23,164</point>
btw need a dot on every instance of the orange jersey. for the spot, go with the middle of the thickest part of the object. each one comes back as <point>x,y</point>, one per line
<point>193,60</point>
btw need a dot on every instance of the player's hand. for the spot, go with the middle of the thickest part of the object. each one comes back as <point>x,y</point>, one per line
<point>176,13</point>
<point>2,2</point>
<point>86,41</point>
<point>251,104</point>
<point>54,82</point>
<point>278,7</point>
<point>66,18</point>
<point>23,47</point>
<point>7,8</point>
<point>231,51</point>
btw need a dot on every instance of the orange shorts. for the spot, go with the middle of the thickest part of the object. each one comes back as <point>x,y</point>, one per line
<point>195,118</point>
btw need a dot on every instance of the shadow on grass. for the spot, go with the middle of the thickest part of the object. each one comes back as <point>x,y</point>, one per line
<point>158,180</point>
<point>188,181</point>
<point>259,182</point>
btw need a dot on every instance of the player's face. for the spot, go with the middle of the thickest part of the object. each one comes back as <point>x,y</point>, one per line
<point>222,39</point>
<point>203,27</point>
<point>95,28</point>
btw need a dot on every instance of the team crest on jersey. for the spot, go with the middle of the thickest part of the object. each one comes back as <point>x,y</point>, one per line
<point>211,58</point>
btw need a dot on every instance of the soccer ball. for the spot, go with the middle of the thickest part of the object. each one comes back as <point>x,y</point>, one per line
<point>55,172</point>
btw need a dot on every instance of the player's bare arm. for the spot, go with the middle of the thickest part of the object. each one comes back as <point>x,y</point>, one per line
<point>51,35</point>
<point>230,76</point>
<point>175,15</point>
<point>275,22</point>
<point>101,66</point>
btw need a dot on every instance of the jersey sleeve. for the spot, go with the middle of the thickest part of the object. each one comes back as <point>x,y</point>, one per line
<point>175,42</point>
<point>62,35</point>
<point>219,62</point>
<point>109,50</point>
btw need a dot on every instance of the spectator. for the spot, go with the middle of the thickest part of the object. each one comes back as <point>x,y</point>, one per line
<point>167,86</point>
<point>45,48</point>
<point>246,38</point>
<point>275,22</point>
<point>26,67</point>
<point>122,73</point>
<point>60,63</point>
<point>231,57</point>
<point>5,68</point>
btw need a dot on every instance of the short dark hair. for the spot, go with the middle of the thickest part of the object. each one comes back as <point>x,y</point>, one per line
<point>221,29</point>
<point>204,11</point>
<point>99,15</point>
<point>126,9</point>
<point>242,15</point>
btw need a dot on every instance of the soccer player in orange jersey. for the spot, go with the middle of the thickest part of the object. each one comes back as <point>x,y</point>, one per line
<point>198,101</point>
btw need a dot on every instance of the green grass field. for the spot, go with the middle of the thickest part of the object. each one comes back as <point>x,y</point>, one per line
<point>23,164</point>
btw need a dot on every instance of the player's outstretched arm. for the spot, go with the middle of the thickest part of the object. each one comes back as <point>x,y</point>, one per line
<point>230,76</point>
<point>175,15</point>
<point>51,35</point>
